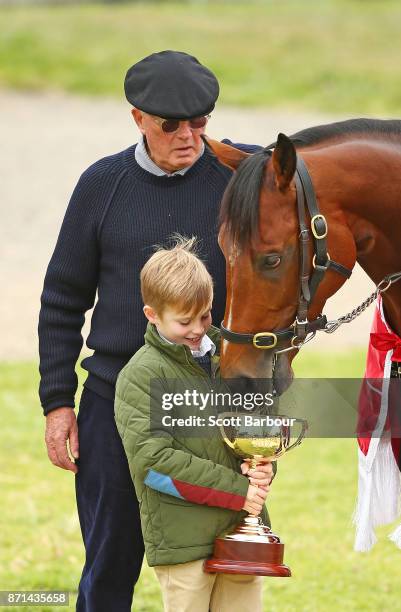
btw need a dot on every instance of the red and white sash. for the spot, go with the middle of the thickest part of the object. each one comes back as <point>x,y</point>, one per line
<point>379,482</point>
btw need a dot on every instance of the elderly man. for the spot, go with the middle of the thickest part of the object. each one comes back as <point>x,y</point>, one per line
<point>121,207</point>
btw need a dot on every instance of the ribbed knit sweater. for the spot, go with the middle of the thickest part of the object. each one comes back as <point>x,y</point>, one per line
<point>117,213</point>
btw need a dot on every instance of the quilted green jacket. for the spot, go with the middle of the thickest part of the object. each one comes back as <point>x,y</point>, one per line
<point>190,488</point>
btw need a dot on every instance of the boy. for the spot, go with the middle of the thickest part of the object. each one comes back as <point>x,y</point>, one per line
<point>190,489</point>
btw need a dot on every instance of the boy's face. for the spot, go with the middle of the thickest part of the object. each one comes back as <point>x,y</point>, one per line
<point>181,328</point>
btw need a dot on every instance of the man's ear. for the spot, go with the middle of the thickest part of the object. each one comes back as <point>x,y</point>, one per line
<point>150,314</point>
<point>284,161</point>
<point>138,118</point>
<point>227,155</point>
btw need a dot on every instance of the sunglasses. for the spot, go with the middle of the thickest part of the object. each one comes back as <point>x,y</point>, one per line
<point>171,125</point>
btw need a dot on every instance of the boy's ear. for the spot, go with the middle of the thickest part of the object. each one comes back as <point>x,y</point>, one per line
<point>227,155</point>
<point>150,314</point>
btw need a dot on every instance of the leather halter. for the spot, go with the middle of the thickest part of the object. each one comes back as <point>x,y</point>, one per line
<point>301,328</point>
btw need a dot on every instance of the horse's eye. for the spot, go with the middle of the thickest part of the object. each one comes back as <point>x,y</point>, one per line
<point>268,262</point>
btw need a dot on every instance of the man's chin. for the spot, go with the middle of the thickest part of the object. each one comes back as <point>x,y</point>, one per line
<point>183,161</point>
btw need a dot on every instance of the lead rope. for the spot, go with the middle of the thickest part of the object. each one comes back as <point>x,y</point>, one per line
<point>332,326</point>
<point>382,287</point>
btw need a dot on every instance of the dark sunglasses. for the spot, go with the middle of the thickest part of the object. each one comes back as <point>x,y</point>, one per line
<point>172,125</point>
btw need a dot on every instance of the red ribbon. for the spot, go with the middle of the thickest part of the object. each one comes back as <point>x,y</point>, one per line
<point>387,341</point>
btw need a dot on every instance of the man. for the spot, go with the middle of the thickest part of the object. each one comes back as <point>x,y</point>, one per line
<point>121,207</point>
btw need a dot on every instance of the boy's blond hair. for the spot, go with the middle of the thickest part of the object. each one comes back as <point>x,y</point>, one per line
<point>177,278</point>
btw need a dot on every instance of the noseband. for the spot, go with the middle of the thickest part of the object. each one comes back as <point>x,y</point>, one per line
<point>301,330</point>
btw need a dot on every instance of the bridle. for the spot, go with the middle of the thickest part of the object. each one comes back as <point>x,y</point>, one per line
<point>302,330</point>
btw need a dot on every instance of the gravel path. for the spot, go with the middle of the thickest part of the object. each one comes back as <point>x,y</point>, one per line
<point>47,141</point>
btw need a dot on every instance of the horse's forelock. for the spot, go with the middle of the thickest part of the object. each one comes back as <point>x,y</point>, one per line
<point>240,204</point>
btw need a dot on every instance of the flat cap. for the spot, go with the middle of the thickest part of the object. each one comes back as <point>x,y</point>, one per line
<point>171,84</point>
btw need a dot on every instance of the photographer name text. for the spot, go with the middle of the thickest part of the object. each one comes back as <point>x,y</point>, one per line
<point>243,420</point>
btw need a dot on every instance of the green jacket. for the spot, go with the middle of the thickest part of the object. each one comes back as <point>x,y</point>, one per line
<point>190,489</point>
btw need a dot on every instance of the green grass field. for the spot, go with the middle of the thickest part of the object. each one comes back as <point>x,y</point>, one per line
<point>311,505</point>
<point>332,55</point>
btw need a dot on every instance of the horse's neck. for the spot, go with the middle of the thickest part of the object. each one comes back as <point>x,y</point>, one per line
<point>363,179</point>
<point>391,305</point>
<point>372,199</point>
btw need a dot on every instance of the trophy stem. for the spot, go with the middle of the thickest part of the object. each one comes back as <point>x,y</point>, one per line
<point>252,529</point>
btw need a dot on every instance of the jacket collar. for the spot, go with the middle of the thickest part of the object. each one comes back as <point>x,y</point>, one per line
<point>178,352</point>
<point>207,346</point>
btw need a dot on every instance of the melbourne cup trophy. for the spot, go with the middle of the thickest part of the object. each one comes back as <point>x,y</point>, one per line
<point>253,548</point>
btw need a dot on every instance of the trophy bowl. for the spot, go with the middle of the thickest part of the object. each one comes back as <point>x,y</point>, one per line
<point>253,548</point>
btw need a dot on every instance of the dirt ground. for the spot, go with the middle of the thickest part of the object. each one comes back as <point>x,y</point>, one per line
<point>47,141</point>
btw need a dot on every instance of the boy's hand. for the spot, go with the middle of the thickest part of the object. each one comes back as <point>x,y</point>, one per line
<point>260,476</point>
<point>255,499</point>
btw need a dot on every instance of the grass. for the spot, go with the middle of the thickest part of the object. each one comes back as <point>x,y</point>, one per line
<point>332,55</point>
<point>310,504</point>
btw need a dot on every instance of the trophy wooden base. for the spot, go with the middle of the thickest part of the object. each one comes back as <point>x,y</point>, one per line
<point>251,549</point>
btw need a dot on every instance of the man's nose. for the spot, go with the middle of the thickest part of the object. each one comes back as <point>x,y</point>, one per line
<point>184,131</point>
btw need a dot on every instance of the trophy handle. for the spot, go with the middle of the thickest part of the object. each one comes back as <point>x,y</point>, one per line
<point>301,435</point>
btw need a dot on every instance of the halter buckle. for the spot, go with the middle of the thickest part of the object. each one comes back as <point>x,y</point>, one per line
<point>264,335</point>
<point>313,228</point>
<point>294,345</point>
<point>315,265</point>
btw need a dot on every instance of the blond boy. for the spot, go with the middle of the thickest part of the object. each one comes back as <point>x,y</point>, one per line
<point>190,489</point>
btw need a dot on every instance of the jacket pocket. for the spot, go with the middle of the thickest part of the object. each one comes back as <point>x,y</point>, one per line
<point>174,501</point>
<point>187,525</point>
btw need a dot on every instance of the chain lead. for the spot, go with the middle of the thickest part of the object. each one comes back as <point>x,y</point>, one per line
<point>384,285</point>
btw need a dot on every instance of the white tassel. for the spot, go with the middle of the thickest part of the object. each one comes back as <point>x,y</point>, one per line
<point>365,537</point>
<point>386,485</point>
<point>378,495</point>
<point>396,536</point>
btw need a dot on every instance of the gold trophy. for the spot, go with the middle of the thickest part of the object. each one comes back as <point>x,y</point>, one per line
<point>253,548</point>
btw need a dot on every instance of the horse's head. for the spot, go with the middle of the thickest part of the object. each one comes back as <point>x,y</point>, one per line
<point>260,238</point>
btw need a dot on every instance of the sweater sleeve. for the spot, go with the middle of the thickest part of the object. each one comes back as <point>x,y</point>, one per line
<point>153,459</point>
<point>69,291</point>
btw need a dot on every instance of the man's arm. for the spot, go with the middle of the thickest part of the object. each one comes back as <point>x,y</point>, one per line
<point>69,291</point>
<point>247,148</point>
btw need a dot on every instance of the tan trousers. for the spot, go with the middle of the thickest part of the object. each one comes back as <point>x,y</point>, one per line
<point>187,588</point>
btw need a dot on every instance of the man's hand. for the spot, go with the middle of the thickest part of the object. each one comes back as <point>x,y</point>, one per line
<point>255,499</point>
<point>260,476</point>
<point>61,425</point>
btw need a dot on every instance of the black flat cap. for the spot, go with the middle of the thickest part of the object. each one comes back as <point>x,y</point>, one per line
<point>171,84</point>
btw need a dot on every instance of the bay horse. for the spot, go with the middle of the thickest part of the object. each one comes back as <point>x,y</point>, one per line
<point>295,218</point>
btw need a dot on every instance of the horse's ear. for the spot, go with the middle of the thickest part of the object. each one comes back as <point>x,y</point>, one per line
<point>284,160</point>
<point>227,155</point>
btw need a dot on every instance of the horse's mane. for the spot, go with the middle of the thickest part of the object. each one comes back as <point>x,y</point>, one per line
<point>340,129</point>
<point>240,205</point>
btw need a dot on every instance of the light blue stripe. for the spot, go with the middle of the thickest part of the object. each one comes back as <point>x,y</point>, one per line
<point>162,483</point>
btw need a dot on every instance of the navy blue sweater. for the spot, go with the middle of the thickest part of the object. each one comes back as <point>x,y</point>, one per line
<point>117,213</point>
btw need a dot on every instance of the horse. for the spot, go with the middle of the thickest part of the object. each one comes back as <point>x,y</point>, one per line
<point>294,219</point>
